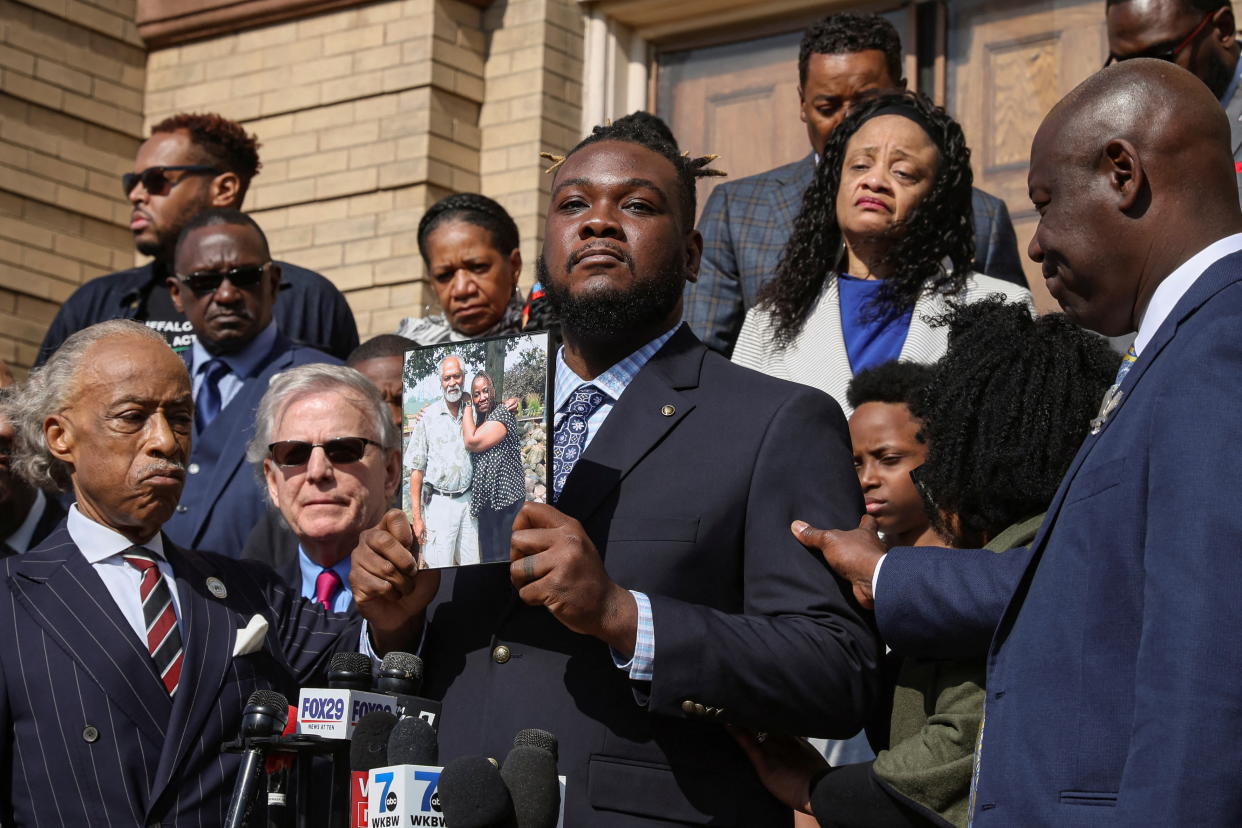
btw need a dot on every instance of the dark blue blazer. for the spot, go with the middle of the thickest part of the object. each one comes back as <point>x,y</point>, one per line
<point>745,226</point>
<point>309,309</point>
<point>692,507</point>
<point>222,499</point>
<point>1113,676</point>
<point>89,736</point>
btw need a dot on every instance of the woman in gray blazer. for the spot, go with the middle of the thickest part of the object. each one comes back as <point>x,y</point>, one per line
<point>880,249</point>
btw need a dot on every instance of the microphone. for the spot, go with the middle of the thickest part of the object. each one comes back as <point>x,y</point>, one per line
<point>401,676</point>
<point>265,714</point>
<point>277,767</point>
<point>472,794</point>
<point>529,773</point>
<point>413,742</point>
<point>349,671</point>
<point>367,751</point>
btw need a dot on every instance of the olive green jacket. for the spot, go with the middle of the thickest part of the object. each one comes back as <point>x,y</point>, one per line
<point>937,708</point>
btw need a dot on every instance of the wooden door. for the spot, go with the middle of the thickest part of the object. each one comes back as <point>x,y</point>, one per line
<point>1008,64</point>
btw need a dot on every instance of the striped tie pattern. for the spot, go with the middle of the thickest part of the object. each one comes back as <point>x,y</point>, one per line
<point>163,637</point>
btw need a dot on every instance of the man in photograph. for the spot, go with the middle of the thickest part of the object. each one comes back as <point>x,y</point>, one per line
<point>440,476</point>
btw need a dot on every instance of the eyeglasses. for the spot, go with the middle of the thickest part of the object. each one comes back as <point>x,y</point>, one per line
<point>1166,54</point>
<point>340,450</point>
<point>156,183</point>
<point>207,281</point>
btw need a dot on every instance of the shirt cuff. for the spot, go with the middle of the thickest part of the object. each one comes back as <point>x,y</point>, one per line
<point>640,666</point>
<point>364,642</point>
<point>875,575</point>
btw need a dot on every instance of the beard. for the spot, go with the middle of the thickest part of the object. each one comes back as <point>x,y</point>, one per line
<point>610,312</point>
<point>452,395</point>
<point>1218,75</point>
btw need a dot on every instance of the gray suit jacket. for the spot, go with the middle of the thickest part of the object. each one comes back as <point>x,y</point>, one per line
<point>747,222</point>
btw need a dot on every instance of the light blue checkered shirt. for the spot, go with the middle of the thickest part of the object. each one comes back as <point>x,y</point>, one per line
<point>613,383</point>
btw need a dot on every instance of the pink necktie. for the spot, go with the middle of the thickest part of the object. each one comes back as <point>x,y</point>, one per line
<point>326,586</point>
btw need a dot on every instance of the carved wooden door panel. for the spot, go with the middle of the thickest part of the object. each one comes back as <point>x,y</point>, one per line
<point>1009,63</point>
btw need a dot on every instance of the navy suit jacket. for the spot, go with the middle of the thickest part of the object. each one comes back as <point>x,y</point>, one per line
<point>88,734</point>
<point>222,499</point>
<point>1113,674</point>
<point>693,508</point>
<point>745,226</point>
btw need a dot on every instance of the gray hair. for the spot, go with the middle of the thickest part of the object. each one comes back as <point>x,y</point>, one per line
<point>289,386</point>
<point>47,391</point>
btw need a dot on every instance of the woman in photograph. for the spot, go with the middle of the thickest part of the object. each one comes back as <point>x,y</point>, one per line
<point>883,243</point>
<point>498,486</point>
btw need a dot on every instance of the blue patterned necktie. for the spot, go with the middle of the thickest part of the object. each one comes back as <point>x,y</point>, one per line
<point>207,406</point>
<point>569,439</point>
<point>1127,362</point>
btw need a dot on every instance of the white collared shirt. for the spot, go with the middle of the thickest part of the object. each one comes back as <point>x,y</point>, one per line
<point>1169,292</point>
<point>102,548</point>
<point>19,541</point>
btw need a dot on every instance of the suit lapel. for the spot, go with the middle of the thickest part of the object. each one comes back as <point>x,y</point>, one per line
<point>787,198</point>
<point>67,598</point>
<point>636,424</point>
<point>208,630</point>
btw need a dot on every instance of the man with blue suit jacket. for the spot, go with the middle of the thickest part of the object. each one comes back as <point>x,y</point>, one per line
<point>746,223</point>
<point>226,284</point>
<point>1114,656</point>
<point>662,597</point>
<point>91,731</point>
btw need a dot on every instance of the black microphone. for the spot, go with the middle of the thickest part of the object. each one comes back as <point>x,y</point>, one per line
<point>367,751</point>
<point>349,671</point>
<point>401,676</point>
<point>265,714</point>
<point>472,794</point>
<point>529,773</point>
<point>413,742</point>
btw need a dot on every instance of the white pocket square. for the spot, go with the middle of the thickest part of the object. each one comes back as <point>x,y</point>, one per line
<point>250,638</point>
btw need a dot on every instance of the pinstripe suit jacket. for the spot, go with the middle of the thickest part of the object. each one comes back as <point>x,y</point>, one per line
<point>745,226</point>
<point>90,736</point>
<point>818,357</point>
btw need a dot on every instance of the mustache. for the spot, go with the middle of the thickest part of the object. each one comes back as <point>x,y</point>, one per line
<point>169,468</point>
<point>581,253</point>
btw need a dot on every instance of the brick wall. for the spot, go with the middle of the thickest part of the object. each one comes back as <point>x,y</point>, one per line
<point>71,98</point>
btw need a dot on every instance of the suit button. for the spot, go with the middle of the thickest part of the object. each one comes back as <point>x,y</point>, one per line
<point>90,734</point>
<point>193,468</point>
<point>687,707</point>
<point>700,710</point>
<point>501,654</point>
<point>181,508</point>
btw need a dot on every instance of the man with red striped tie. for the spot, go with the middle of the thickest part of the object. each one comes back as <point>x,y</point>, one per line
<point>125,661</point>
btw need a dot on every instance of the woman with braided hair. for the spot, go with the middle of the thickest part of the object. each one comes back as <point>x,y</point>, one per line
<point>883,241</point>
<point>469,244</point>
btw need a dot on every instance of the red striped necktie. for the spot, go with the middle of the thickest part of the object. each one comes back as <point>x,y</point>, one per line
<point>163,637</point>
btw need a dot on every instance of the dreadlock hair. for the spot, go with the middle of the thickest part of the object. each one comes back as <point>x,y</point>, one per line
<point>379,347</point>
<point>472,208</point>
<point>224,144</point>
<point>890,382</point>
<point>940,226</point>
<point>847,34</point>
<point>1006,410</point>
<point>651,132</point>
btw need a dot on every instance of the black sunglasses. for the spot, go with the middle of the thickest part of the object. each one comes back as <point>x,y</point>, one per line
<point>156,183</point>
<point>207,281</point>
<point>1168,54</point>
<point>340,450</point>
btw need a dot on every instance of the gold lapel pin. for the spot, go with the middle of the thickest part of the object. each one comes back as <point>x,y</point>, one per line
<point>668,410</point>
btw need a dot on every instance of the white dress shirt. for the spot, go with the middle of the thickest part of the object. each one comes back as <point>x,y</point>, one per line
<point>19,541</point>
<point>102,548</point>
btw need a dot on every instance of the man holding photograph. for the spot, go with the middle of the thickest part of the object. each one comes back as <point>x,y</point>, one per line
<point>440,476</point>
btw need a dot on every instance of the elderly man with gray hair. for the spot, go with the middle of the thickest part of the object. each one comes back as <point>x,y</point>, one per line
<point>328,454</point>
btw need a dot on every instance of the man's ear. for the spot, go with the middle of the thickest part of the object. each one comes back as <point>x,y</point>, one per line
<point>1125,172</point>
<point>174,292</point>
<point>694,255</point>
<point>1224,28</point>
<point>392,471</point>
<point>58,434</point>
<point>801,104</point>
<point>225,190</point>
<point>275,276</point>
<point>271,476</point>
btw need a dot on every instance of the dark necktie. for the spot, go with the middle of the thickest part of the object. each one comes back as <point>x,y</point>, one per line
<point>569,439</point>
<point>163,637</point>
<point>207,406</point>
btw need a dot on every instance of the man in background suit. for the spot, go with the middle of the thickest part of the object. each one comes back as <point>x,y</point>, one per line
<point>1114,655</point>
<point>27,514</point>
<point>1198,35</point>
<point>190,163</point>
<point>226,284</point>
<point>104,717</point>
<point>746,223</point>
<point>662,596</point>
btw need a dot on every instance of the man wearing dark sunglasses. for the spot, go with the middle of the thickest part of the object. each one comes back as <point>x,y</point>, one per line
<point>226,284</point>
<point>1197,35</point>
<point>191,163</point>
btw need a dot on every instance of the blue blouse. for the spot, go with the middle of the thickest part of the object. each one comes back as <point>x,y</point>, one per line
<point>869,341</point>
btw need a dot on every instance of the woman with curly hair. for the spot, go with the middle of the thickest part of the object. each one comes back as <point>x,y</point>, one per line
<point>883,241</point>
